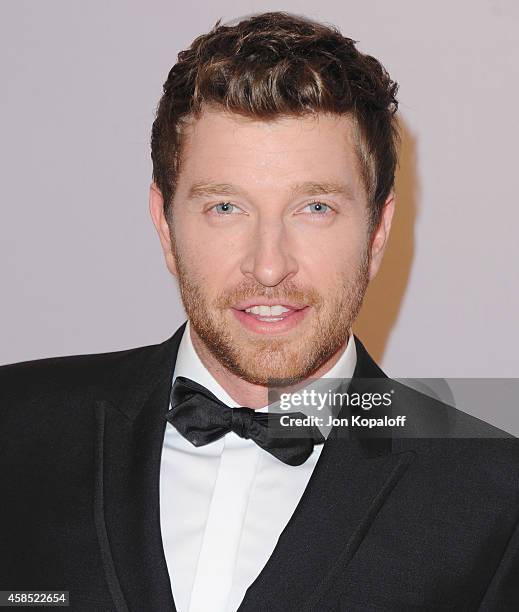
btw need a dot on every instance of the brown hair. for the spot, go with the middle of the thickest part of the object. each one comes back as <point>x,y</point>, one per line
<point>277,64</point>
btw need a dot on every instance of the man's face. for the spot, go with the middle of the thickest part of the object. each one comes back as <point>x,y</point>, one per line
<point>270,213</point>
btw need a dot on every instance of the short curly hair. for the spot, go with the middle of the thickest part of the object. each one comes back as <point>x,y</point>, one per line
<point>278,64</point>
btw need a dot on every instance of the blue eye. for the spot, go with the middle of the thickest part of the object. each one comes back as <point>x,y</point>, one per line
<point>225,208</point>
<point>320,207</point>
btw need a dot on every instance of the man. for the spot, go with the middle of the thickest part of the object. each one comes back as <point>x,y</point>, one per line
<point>145,479</point>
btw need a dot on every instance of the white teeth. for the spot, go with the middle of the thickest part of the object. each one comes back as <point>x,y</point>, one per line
<point>267,311</point>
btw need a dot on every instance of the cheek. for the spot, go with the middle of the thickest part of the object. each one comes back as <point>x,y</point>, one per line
<point>208,260</point>
<point>334,257</point>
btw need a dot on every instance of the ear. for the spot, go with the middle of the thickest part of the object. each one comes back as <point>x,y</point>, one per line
<point>162,226</point>
<point>381,235</point>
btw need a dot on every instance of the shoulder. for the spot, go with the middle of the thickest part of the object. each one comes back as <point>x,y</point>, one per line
<point>467,451</point>
<point>438,431</point>
<point>71,375</point>
<point>429,405</point>
<point>434,412</point>
<point>57,388</point>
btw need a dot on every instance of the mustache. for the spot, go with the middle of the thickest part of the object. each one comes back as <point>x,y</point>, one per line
<point>285,292</point>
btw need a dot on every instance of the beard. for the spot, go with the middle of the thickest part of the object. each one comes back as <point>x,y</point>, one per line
<point>271,361</point>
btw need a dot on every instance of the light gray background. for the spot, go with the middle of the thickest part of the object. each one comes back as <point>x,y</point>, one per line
<point>82,269</point>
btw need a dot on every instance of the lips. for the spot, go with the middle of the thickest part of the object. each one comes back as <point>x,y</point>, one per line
<point>270,313</point>
<point>293,305</point>
<point>272,302</point>
<point>272,325</point>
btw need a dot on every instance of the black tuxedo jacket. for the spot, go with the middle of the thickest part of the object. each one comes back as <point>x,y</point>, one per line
<point>383,525</point>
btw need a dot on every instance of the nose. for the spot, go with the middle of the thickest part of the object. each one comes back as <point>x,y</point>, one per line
<point>269,260</point>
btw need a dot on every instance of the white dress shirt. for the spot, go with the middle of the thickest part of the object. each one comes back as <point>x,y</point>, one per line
<point>224,505</point>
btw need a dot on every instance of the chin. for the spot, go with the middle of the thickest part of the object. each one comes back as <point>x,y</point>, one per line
<point>272,375</point>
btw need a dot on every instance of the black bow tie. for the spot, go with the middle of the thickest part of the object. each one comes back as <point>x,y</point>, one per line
<point>201,418</point>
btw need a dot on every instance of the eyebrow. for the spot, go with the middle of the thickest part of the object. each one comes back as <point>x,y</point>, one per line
<point>312,188</point>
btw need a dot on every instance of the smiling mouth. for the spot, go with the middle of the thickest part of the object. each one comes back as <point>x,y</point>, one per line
<point>277,312</point>
<point>275,319</point>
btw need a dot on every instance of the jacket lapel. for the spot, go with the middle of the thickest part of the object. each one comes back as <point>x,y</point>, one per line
<point>130,428</point>
<point>349,485</point>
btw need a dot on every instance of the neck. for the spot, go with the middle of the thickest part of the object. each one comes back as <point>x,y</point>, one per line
<point>242,392</point>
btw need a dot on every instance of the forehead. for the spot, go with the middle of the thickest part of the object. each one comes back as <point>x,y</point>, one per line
<point>265,154</point>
